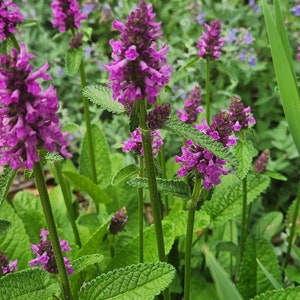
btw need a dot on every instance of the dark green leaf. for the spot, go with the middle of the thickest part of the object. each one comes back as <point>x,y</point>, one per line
<point>73,61</point>
<point>124,174</point>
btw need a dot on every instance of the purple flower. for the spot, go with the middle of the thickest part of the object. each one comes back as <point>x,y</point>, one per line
<point>135,143</point>
<point>248,39</point>
<point>296,10</point>
<point>255,7</point>
<point>28,115</point>
<point>252,61</point>
<point>66,14</point>
<point>76,40</point>
<point>10,16</point>
<point>210,43</point>
<point>298,54</point>
<point>192,107</point>
<point>200,16</point>
<point>232,35</point>
<point>7,266</point>
<point>138,70</point>
<point>45,254</point>
<point>158,116</point>
<point>261,162</point>
<point>118,221</point>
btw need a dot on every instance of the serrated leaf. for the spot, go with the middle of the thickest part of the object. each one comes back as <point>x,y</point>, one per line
<point>124,174</point>
<point>141,281</point>
<point>227,202</point>
<point>291,293</point>
<point>54,157</point>
<point>6,179</point>
<point>85,261</point>
<point>164,186</point>
<point>70,127</point>
<point>33,284</point>
<point>187,131</point>
<point>244,152</point>
<point>102,96</point>
<point>4,226</point>
<point>84,184</point>
<point>73,61</point>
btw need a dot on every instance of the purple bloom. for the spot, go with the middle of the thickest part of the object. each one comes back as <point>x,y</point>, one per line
<point>232,35</point>
<point>252,61</point>
<point>76,40</point>
<point>10,16</point>
<point>7,266</point>
<point>135,143</point>
<point>210,43</point>
<point>118,221</point>
<point>248,39</point>
<point>298,54</point>
<point>28,115</point>
<point>66,14</point>
<point>200,17</point>
<point>45,254</point>
<point>158,116</point>
<point>261,162</point>
<point>255,7</point>
<point>192,107</point>
<point>296,10</point>
<point>138,70</point>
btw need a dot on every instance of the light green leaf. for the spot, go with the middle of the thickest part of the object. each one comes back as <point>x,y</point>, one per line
<point>33,284</point>
<point>6,179</point>
<point>102,95</point>
<point>73,60</point>
<point>136,282</point>
<point>4,226</point>
<point>225,288</point>
<point>275,175</point>
<point>70,127</point>
<point>124,174</point>
<point>292,273</point>
<point>54,157</point>
<point>187,131</point>
<point>291,293</point>
<point>85,261</point>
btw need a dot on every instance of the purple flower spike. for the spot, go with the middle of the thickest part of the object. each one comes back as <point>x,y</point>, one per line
<point>262,161</point>
<point>28,115</point>
<point>10,16</point>
<point>296,10</point>
<point>138,70</point>
<point>210,43</point>
<point>298,55</point>
<point>118,221</point>
<point>45,254</point>
<point>66,14</point>
<point>158,116</point>
<point>7,266</point>
<point>191,107</point>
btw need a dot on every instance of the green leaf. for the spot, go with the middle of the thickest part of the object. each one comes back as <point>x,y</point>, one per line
<point>164,186</point>
<point>227,202</point>
<point>54,157</point>
<point>33,284</point>
<point>4,226</point>
<point>70,127</point>
<point>291,293</point>
<point>73,61</point>
<point>244,152</point>
<point>225,288</point>
<point>187,131</point>
<point>290,216</point>
<point>124,174</point>
<point>292,273</point>
<point>85,261</point>
<point>275,175</point>
<point>102,157</point>
<point>141,281</point>
<point>84,184</point>
<point>6,179</point>
<point>102,96</point>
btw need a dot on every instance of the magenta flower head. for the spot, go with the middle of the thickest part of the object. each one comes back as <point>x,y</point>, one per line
<point>118,221</point>
<point>298,54</point>
<point>192,107</point>
<point>66,14</point>
<point>135,142</point>
<point>138,70</point>
<point>28,115</point>
<point>260,164</point>
<point>7,266</point>
<point>210,43</point>
<point>45,254</point>
<point>10,16</point>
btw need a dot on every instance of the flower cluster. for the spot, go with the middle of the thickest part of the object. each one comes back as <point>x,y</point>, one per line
<point>210,43</point>
<point>135,143</point>
<point>118,221</point>
<point>296,10</point>
<point>66,14</point>
<point>298,54</point>
<point>45,254</point>
<point>192,107</point>
<point>7,266</point>
<point>254,6</point>
<point>28,115</point>
<point>262,161</point>
<point>158,116</point>
<point>10,16</point>
<point>138,70</point>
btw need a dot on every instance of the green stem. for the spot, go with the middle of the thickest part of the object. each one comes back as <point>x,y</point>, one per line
<point>189,236</point>
<point>293,229</point>
<point>207,91</point>
<point>65,188</point>
<point>15,42</point>
<point>162,161</point>
<point>41,185</point>
<point>141,213</point>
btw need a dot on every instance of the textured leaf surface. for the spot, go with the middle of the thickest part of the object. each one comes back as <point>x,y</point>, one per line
<point>227,202</point>
<point>73,60</point>
<point>4,226</point>
<point>102,96</point>
<point>136,282</point>
<point>30,284</point>
<point>290,215</point>
<point>165,186</point>
<point>6,179</point>
<point>70,127</point>
<point>291,293</point>
<point>124,174</point>
<point>85,261</point>
<point>189,132</point>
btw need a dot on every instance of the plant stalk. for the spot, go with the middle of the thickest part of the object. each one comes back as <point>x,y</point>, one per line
<point>141,213</point>
<point>207,91</point>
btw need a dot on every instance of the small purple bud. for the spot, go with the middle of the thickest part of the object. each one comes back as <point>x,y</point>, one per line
<point>158,116</point>
<point>118,221</point>
<point>76,40</point>
<point>262,161</point>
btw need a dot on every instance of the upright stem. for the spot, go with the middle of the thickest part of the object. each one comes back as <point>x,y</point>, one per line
<point>162,161</point>
<point>40,183</point>
<point>141,213</point>
<point>192,203</point>
<point>207,91</point>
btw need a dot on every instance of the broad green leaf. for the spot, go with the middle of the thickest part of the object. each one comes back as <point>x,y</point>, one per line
<point>85,261</point>
<point>225,288</point>
<point>124,174</point>
<point>201,288</point>
<point>135,282</point>
<point>15,243</point>
<point>290,216</point>
<point>252,280</point>
<point>227,202</point>
<point>4,226</point>
<point>228,247</point>
<point>70,127</point>
<point>102,158</point>
<point>6,179</point>
<point>284,74</point>
<point>33,284</point>
<point>164,186</point>
<point>84,184</point>
<point>291,293</point>
<point>292,273</point>
<point>102,96</point>
<point>73,60</point>
<point>244,152</point>
<point>187,131</point>
<point>275,175</point>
